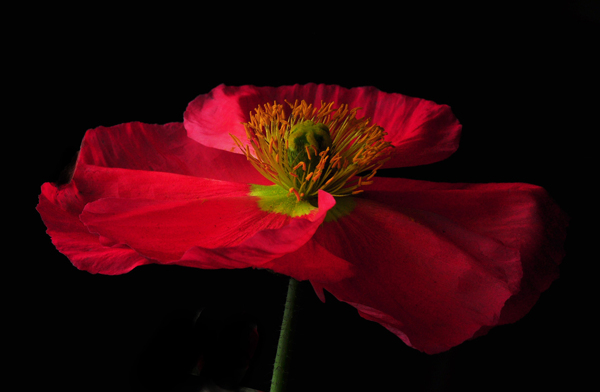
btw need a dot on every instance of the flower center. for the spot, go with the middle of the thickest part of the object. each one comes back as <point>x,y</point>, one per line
<point>311,149</point>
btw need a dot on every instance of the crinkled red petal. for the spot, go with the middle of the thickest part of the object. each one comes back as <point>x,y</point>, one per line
<point>171,213</point>
<point>424,277</point>
<point>140,217</point>
<point>147,149</point>
<point>521,216</point>
<point>164,148</point>
<point>61,206</point>
<point>72,239</point>
<point>422,131</point>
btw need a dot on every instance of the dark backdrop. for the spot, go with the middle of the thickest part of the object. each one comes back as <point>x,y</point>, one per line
<point>519,80</point>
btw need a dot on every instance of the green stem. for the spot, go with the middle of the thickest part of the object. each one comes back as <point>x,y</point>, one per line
<point>280,368</point>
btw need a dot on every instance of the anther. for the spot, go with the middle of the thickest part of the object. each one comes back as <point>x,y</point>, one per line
<point>295,192</point>
<point>315,149</point>
<point>298,165</point>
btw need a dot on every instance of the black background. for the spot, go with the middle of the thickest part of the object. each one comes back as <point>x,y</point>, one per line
<point>520,81</point>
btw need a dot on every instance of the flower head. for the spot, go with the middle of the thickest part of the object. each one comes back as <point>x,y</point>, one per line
<point>251,179</point>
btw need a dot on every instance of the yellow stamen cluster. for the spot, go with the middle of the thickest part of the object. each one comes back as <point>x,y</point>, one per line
<point>356,147</point>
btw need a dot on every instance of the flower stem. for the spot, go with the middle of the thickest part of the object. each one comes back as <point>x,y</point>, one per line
<point>280,368</point>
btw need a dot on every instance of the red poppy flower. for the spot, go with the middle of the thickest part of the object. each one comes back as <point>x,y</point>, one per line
<point>434,263</point>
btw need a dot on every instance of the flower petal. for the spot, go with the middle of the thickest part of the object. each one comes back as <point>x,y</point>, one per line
<point>422,131</point>
<point>72,238</point>
<point>148,149</point>
<point>60,207</point>
<point>95,182</point>
<point>521,216</point>
<point>167,215</point>
<point>167,222</point>
<point>164,148</point>
<point>312,262</point>
<point>429,280</point>
<point>165,229</point>
<point>264,246</point>
<point>162,216</point>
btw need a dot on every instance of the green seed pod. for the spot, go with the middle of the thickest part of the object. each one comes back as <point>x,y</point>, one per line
<point>311,135</point>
